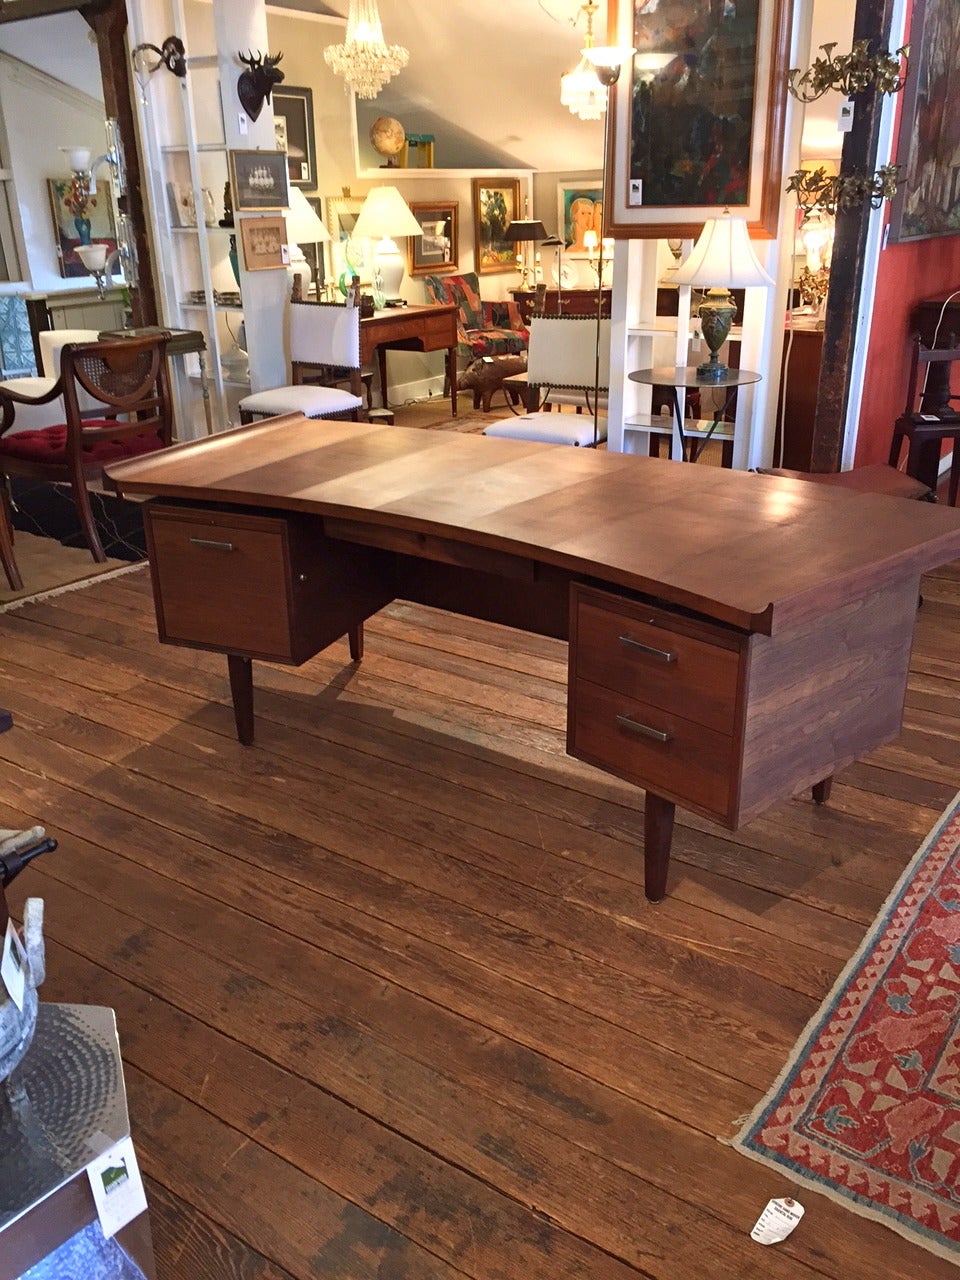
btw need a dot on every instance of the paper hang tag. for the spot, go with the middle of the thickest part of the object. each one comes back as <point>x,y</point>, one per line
<point>845,116</point>
<point>777,1221</point>
<point>117,1187</point>
<point>13,966</point>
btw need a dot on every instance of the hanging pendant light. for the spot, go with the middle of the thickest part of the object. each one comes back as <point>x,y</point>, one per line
<point>365,60</point>
<point>580,89</point>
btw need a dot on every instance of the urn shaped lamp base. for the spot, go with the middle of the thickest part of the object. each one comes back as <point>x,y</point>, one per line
<point>716,314</point>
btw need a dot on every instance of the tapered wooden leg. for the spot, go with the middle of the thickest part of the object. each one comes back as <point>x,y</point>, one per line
<point>355,637</point>
<point>821,790</point>
<point>657,839</point>
<point>241,690</point>
<point>7,557</point>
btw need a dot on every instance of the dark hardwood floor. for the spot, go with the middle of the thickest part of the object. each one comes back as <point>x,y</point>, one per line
<point>391,1001</point>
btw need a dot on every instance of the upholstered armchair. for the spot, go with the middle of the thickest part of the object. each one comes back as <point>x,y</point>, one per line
<point>483,328</point>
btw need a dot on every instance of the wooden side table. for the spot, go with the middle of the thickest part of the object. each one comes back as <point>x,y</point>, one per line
<point>63,1106</point>
<point>563,302</point>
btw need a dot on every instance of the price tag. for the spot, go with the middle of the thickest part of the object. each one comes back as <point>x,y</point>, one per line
<point>845,116</point>
<point>117,1187</point>
<point>13,965</point>
<point>777,1221</point>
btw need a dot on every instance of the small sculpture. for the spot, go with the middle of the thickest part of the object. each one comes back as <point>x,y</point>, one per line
<point>256,83</point>
<point>17,1025</point>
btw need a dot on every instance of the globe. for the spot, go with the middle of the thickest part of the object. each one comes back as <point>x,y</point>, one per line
<point>387,136</point>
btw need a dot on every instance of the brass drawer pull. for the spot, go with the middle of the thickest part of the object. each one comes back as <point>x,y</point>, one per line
<point>214,546</point>
<point>663,654</point>
<point>644,730</point>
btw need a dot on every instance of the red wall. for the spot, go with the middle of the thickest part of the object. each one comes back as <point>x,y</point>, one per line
<point>906,273</point>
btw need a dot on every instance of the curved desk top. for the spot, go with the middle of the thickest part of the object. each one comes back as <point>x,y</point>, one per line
<point>760,553</point>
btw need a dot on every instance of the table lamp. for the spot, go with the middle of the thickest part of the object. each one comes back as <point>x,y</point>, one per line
<point>303,227</point>
<point>384,215</point>
<point>525,231</point>
<point>721,260</point>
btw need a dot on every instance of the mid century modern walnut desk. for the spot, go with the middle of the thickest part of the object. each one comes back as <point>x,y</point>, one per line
<point>412,328</point>
<point>733,638</point>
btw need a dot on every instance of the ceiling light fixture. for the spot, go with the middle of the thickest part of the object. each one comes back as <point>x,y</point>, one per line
<point>580,89</point>
<point>365,60</point>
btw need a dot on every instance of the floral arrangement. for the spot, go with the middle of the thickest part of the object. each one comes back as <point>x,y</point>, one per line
<point>78,198</point>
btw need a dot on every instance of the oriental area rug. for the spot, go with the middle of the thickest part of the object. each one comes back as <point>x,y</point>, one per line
<point>867,1110</point>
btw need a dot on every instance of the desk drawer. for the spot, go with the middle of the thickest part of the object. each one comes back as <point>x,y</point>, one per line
<point>681,666</point>
<point>656,749</point>
<point>222,580</point>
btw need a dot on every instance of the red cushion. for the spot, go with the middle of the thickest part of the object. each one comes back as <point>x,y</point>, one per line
<point>49,445</point>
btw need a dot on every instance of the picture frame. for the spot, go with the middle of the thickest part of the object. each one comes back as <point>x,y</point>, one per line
<point>437,249</point>
<point>579,208</point>
<point>496,203</point>
<point>348,255</point>
<point>677,153</point>
<point>258,181</point>
<point>264,242</point>
<point>95,223</point>
<point>924,206</point>
<point>293,123</point>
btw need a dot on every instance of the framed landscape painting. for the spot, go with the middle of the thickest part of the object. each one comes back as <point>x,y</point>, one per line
<point>926,203</point>
<point>495,205</point>
<point>696,117</point>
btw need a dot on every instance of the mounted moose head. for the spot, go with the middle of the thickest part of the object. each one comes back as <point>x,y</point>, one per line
<point>255,84</point>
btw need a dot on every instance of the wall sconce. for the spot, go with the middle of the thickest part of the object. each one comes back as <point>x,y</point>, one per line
<point>95,258</point>
<point>83,191</point>
<point>842,192</point>
<point>850,73</point>
<point>171,54</point>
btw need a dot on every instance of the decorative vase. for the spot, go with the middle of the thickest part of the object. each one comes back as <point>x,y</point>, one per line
<point>83,229</point>
<point>234,261</point>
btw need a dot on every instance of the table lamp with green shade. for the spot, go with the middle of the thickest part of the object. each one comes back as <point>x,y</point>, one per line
<point>721,260</point>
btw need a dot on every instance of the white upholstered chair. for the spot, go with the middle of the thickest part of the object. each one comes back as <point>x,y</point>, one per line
<point>37,417</point>
<point>321,334</point>
<point>562,357</point>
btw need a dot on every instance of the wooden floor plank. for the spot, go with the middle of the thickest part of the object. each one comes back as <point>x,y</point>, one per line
<point>389,999</point>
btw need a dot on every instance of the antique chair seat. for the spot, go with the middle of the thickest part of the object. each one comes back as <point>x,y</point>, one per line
<point>483,328</point>
<point>321,333</point>
<point>127,378</point>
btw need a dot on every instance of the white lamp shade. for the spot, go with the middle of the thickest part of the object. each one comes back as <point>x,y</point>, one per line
<point>78,158</point>
<point>385,213</point>
<point>723,257</point>
<point>93,256</point>
<point>303,225</point>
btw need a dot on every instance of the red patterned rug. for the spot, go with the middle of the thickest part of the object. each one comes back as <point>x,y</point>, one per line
<point>868,1107</point>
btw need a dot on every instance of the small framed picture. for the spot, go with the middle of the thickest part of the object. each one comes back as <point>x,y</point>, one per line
<point>264,243</point>
<point>258,180</point>
<point>293,122</point>
<point>436,249</point>
<point>496,202</point>
<point>579,209</point>
<point>80,219</point>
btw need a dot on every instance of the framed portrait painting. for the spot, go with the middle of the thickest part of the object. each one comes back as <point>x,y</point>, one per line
<point>496,202</point>
<point>293,125</point>
<point>696,117</point>
<point>258,181</point>
<point>926,203</point>
<point>78,220</point>
<point>579,209</point>
<point>435,250</point>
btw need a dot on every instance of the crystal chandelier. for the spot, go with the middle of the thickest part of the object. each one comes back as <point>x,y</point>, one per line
<point>580,89</point>
<point>364,60</point>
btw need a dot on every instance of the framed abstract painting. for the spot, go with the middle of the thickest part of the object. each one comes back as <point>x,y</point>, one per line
<point>696,117</point>
<point>927,202</point>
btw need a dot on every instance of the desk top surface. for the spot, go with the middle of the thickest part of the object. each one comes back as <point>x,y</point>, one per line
<point>759,552</point>
<point>669,375</point>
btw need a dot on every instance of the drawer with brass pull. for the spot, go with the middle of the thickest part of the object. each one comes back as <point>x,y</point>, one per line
<point>262,586</point>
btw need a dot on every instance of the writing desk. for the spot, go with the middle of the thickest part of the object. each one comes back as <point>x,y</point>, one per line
<point>733,638</point>
<point>414,328</point>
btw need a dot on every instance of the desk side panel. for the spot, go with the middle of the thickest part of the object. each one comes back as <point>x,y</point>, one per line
<point>825,694</point>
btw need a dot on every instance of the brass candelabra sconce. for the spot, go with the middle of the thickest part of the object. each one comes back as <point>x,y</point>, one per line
<point>850,73</point>
<point>813,285</point>
<point>838,193</point>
